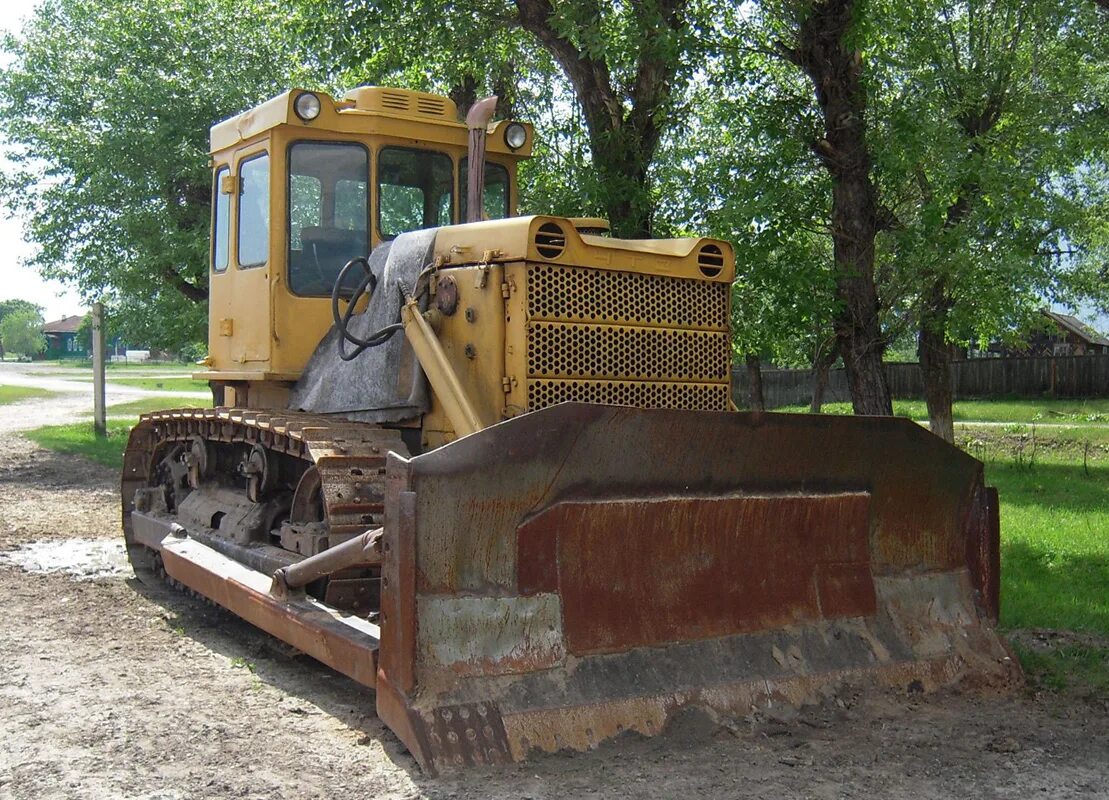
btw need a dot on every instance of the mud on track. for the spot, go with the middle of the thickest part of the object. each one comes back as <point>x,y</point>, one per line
<point>111,689</point>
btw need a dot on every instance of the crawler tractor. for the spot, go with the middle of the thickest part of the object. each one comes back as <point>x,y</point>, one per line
<point>492,470</point>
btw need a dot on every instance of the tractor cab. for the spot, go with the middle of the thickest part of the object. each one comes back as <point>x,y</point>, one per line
<point>304,183</point>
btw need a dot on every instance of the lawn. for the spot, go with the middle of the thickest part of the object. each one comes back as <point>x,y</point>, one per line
<point>147,404</point>
<point>176,382</point>
<point>79,439</point>
<point>16,394</point>
<point>1025,411</point>
<point>168,384</point>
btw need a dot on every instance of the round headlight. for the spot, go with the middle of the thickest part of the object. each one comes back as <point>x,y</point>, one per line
<point>307,106</point>
<point>515,135</point>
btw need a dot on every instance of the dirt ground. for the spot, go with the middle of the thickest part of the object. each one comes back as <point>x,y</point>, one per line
<point>109,689</point>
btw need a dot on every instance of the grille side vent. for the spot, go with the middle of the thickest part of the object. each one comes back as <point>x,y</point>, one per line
<point>550,240</point>
<point>710,259</point>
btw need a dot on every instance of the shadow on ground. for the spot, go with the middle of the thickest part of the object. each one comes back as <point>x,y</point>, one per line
<point>277,664</point>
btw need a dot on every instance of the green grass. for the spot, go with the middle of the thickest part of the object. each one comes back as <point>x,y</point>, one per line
<point>163,384</point>
<point>1025,411</point>
<point>1081,666</point>
<point>148,404</point>
<point>80,439</point>
<point>16,394</point>
<point>1054,543</point>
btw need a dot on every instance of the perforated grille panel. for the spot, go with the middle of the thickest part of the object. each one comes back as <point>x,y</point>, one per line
<point>630,339</point>
<point>640,394</point>
<point>574,293</point>
<point>574,350</point>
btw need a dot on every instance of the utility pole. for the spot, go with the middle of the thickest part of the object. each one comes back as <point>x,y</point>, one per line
<point>99,420</point>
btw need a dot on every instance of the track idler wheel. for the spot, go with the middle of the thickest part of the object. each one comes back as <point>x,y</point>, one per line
<point>260,469</point>
<point>198,461</point>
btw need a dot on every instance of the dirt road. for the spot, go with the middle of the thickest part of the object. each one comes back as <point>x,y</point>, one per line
<point>112,690</point>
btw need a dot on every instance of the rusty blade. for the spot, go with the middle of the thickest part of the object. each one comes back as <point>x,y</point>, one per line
<point>584,570</point>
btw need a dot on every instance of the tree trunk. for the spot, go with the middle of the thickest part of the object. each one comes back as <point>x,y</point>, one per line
<point>820,367</point>
<point>625,124</point>
<point>755,399</point>
<point>935,361</point>
<point>835,70</point>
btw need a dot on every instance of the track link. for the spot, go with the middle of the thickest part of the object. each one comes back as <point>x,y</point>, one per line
<point>349,457</point>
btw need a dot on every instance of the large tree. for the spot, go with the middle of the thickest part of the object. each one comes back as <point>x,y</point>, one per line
<point>980,153</point>
<point>106,106</point>
<point>624,63</point>
<point>12,306</point>
<point>21,332</point>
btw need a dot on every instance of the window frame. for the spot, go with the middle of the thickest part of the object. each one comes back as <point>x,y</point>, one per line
<point>254,156</point>
<point>388,237</point>
<point>216,194</point>
<point>289,202</point>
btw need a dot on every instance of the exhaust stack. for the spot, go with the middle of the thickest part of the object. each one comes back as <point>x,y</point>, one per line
<point>477,120</point>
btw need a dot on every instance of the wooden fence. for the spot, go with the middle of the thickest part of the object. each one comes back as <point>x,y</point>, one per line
<point>1064,376</point>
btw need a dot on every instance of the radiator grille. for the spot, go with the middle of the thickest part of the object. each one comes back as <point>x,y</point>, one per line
<point>574,350</point>
<point>629,339</point>
<point>640,394</point>
<point>573,293</point>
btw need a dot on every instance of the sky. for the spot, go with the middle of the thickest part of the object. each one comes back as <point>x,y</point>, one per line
<point>16,280</point>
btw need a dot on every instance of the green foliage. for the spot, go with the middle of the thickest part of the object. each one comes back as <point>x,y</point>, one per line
<point>21,333</point>
<point>603,80</point>
<point>106,106</point>
<point>984,151</point>
<point>12,306</point>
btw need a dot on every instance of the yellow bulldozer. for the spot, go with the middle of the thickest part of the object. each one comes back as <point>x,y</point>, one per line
<point>489,466</point>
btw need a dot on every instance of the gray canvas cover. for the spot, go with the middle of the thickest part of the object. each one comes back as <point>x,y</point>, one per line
<point>384,383</point>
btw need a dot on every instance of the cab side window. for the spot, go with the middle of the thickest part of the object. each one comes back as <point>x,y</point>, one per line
<point>254,211</point>
<point>221,220</point>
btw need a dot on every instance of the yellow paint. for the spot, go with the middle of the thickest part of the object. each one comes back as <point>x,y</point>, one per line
<point>275,331</point>
<point>261,335</point>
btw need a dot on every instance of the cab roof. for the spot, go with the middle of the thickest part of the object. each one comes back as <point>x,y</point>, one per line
<point>366,110</point>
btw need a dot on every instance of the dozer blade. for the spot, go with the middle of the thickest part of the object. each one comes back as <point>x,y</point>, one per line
<point>581,571</point>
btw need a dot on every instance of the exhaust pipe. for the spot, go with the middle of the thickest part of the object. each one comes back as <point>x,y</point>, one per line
<point>477,120</point>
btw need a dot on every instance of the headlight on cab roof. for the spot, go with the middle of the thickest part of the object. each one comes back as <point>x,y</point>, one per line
<point>307,106</point>
<point>515,135</point>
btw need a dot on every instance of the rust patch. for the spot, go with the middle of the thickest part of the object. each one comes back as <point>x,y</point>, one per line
<point>655,571</point>
<point>537,559</point>
<point>983,540</point>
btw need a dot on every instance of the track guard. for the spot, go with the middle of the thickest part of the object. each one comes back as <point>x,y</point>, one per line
<point>581,571</point>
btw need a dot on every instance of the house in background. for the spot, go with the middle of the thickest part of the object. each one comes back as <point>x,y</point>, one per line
<point>1056,335</point>
<point>61,338</point>
<point>1071,337</point>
